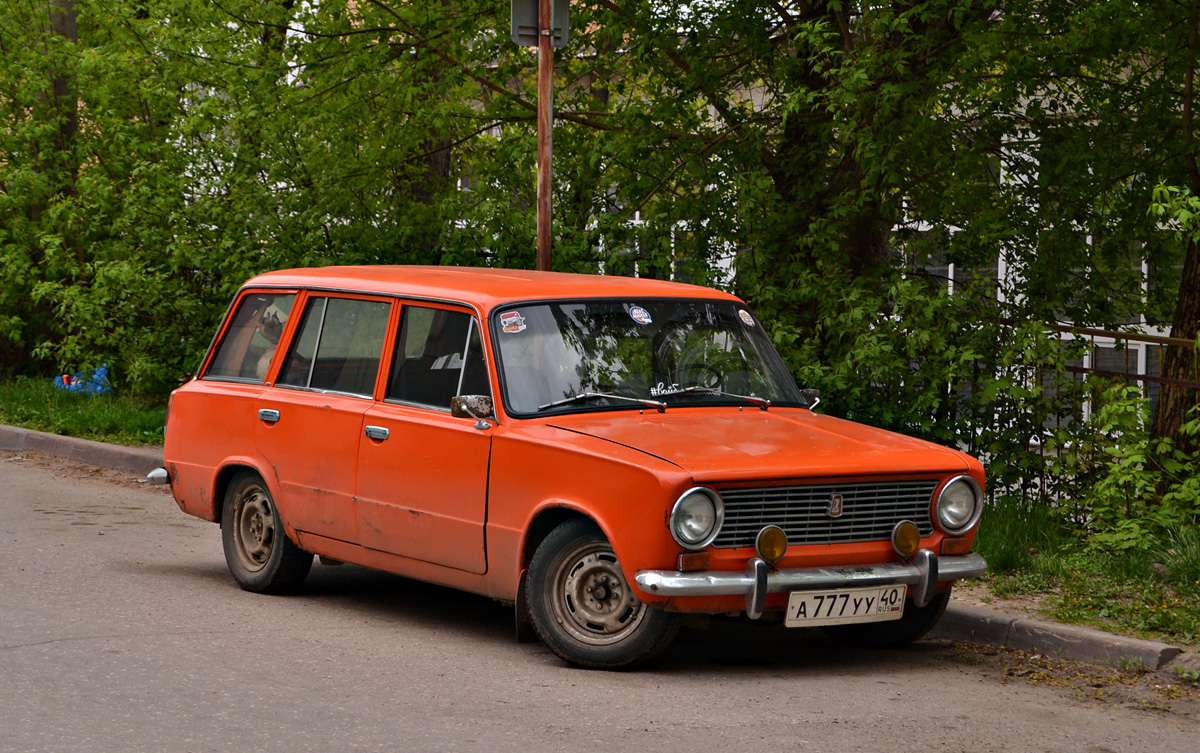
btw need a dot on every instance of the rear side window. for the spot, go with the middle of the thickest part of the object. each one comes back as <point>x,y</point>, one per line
<point>438,355</point>
<point>338,346</point>
<point>245,352</point>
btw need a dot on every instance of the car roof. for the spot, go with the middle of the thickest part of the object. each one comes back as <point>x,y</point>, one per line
<point>484,287</point>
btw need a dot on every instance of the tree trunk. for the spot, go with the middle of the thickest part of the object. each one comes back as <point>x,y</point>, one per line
<point>60,105</point>
<point>64,103</point>
<point>1180,363</point>
<point>56,105</point>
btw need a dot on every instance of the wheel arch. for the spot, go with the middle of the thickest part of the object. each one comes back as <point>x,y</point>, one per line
<point>224,478</point>
<point>546,520</point>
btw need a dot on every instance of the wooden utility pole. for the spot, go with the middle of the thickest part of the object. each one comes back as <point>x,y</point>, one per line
<point>544,24</point>
<point>545,151</point>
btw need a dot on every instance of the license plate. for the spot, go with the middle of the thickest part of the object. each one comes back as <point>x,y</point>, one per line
<point>842,606</point>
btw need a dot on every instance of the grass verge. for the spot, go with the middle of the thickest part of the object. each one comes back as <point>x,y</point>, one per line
<point>119,419</point>
<point>1150,592</point>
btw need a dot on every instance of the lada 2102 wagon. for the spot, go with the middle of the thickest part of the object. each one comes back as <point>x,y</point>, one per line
<point>607,454</point>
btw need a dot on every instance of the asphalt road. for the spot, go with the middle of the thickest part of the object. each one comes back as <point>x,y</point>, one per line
<point>120,630</point>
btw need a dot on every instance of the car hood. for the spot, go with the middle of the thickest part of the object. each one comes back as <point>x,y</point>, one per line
<point>778,443</point>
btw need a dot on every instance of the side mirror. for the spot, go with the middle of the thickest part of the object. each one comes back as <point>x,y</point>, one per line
<point>472,406</point>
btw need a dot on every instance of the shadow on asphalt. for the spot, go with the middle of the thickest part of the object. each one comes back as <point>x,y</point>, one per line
<point>727,645</point>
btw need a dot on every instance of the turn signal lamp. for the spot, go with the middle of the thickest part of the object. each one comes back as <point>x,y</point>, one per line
<point>956,546</point>
<point>771,544</point>
<point>906,538</point>
<point>692,561</point>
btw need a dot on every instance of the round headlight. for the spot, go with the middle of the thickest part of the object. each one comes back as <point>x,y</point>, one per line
<point>959,505</point>
<point>696,518</point>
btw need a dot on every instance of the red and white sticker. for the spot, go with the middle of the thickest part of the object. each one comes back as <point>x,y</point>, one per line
<point>744,315</point>
<point>640,315</point>
<point>512,322</point>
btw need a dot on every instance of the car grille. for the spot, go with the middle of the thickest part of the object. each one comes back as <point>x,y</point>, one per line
<point>869,512</point>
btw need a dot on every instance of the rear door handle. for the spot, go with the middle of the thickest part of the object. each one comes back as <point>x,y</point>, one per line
<point>268,415</point>
<point>376,432</point>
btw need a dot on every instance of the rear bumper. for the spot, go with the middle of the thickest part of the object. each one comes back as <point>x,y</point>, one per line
<point>924,572</point>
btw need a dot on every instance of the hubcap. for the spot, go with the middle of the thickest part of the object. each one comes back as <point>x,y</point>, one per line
<point>590,598</point>
<point>254,529</point>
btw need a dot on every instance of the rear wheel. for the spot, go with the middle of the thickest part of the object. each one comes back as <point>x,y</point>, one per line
<point>582,607</point>
<point>260,555</point>
<point>916,622</point>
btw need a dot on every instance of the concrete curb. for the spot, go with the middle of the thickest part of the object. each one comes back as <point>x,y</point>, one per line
<point>962,622</point>
<point>115,457</point>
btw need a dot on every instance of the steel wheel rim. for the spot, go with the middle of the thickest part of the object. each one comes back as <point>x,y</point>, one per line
<point>589,598</point>
<point>254,528</point>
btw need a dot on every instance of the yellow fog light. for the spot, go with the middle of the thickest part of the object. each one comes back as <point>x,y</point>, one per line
<point>771,544</point>
<point>906,538</point>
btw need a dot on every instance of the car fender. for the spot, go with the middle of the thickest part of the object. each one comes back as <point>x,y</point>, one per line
<point>627,493</point>
<point>259,465</point>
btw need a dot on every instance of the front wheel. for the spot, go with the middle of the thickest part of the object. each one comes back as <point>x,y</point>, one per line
<point>582,607</point>
<point>916,622</point>
<point>260,556</point>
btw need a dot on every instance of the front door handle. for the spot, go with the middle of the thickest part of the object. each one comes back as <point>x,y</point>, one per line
<point>268,415</point>
<point>376,432</point>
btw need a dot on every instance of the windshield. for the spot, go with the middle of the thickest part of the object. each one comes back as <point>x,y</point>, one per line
<point>611,354</point>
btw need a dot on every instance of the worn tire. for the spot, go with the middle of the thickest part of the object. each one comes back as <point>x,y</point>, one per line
<point>260,556</point>
<point>582,607</point>
<point>916,622</point>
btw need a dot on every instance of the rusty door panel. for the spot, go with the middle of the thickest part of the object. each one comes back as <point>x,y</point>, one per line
<point>313,449</point>
<point>422,491</point>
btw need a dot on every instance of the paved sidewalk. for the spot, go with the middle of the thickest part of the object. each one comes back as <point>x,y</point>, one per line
<point>961,622</point>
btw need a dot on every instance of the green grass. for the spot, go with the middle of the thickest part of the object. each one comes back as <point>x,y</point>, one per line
<point>120,419</point>
<point>1150,592</point>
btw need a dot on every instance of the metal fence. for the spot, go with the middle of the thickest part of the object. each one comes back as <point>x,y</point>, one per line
<point>1135,357</point>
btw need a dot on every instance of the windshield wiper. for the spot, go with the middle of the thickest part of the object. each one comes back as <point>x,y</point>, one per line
<point>660,407</point>
<point>761,402</point>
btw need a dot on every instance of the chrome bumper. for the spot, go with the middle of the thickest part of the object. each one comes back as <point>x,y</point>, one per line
<point>924,572</point>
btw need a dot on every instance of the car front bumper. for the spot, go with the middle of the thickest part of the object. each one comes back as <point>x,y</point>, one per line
<point>923,572</point>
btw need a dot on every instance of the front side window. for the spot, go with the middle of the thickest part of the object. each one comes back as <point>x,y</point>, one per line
<point>245,352</point>
<point>611,354</point>
<point>439,355</point>
<point>338,346</point>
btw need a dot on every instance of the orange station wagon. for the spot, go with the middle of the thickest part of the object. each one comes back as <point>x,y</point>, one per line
<point>607,454</point>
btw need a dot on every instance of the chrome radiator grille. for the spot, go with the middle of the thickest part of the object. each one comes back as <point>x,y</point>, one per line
<point>869,512</point>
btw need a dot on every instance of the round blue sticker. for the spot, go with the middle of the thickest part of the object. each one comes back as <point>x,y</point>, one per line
<point>640,315</point>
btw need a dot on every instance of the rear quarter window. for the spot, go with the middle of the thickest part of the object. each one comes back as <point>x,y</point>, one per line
<point>250,340</point>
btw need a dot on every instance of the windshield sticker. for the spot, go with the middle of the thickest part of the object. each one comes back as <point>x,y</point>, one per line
<point>664,389</point>
<point>512,322</point>
<point>746,318</point>
<point>640,315</point>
